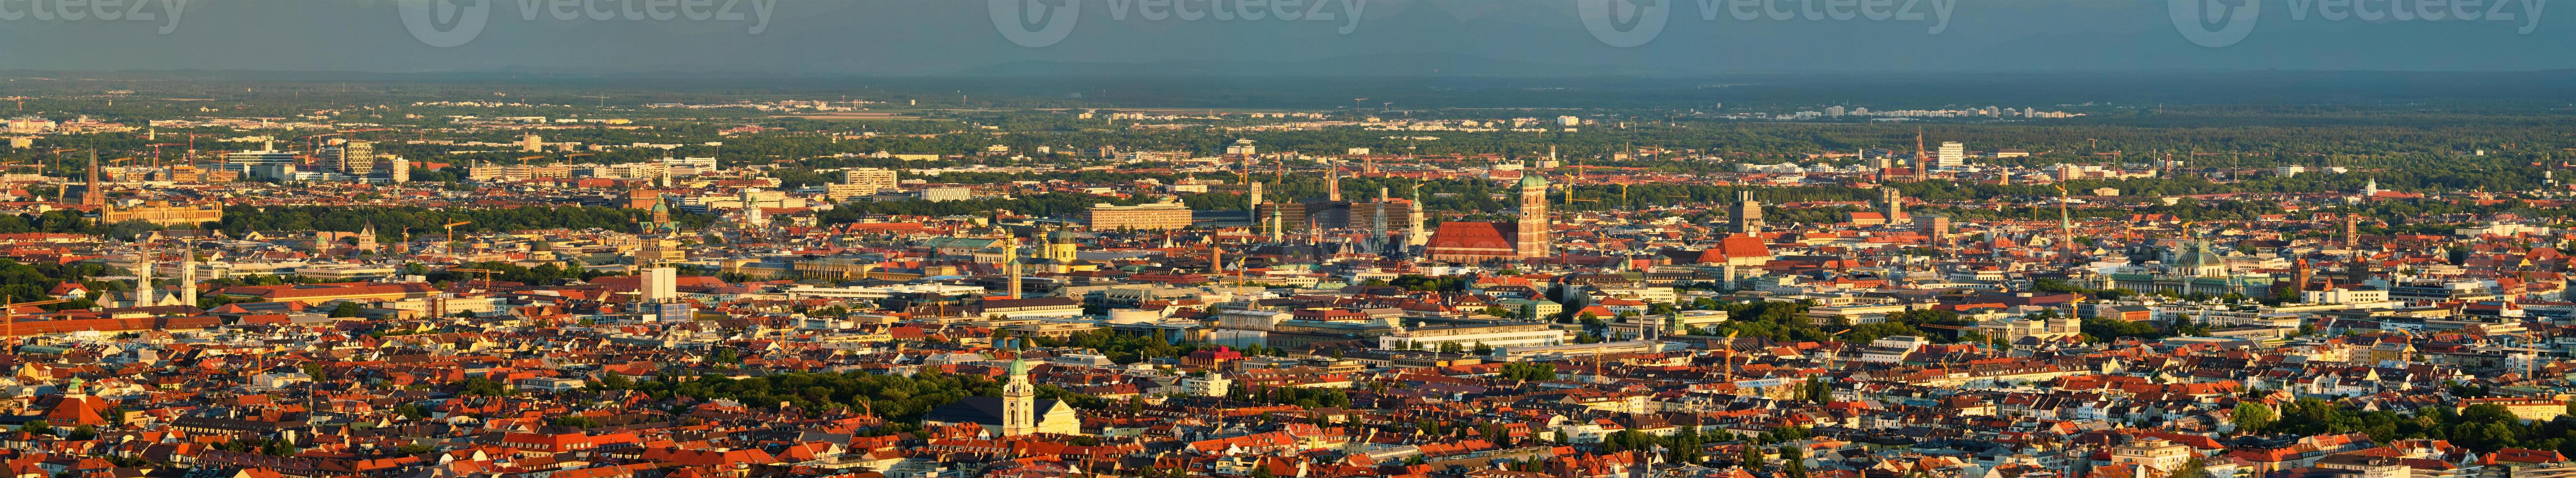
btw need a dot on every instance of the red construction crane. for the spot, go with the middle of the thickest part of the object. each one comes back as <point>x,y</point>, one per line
<point>156,152</point>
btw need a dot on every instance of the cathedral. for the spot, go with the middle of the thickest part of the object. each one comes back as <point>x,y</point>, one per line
<point>1017,412</point>
<point>2187,267</point>
<point>1469,242</point>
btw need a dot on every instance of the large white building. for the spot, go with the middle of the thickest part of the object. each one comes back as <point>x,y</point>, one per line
<point>1468,336</point>
<point>869,180</point>
<point>1953,154</point>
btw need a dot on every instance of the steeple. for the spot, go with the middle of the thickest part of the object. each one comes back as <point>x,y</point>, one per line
<point>1413,232</point>
<point>1531,239</point>
<point>143,292</point>
<point>1377,223</point>
<point>1011,262</point>
<point>188,273</point>
<point>1019,401</point>
<point>91,195</point>
<point>1333,185</point>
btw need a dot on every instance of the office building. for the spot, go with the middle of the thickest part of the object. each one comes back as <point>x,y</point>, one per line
<point>869,180</point>
<point>1150,216</point>
<point>1953,154</point>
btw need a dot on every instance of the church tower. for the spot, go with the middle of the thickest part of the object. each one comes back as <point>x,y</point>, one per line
<point>367,237</point>
<point>1413,234</point>
<point>1748,213</point>
<point>91,195</point>
<point>1894,201</point>
<point>143,291</point>
<point>1531,240</point>
<point>752,215</point>
<point>1019,402</point>
<point>1011,262</point>
<point>188,275</point>
<point>1060,247</point>
<point>1333,185</point>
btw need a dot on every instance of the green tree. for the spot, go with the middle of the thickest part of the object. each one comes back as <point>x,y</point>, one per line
<point>2253,416</point>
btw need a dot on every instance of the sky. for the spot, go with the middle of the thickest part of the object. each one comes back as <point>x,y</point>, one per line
<point>1357,37</point>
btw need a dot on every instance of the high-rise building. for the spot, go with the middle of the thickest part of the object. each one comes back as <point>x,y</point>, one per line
<point>356,158</point>
<point>532,143</point>
<point>1953,154</point>
<point>660,285</point>
<point>397,169</point>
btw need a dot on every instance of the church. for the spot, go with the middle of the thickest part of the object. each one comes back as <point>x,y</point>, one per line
<point>1472,242</point>
<point>1017,412</point>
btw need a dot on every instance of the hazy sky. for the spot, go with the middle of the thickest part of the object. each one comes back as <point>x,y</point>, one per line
<point>914,37</point>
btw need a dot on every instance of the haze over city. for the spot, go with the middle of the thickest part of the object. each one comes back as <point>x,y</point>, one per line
<point>1287,238</point>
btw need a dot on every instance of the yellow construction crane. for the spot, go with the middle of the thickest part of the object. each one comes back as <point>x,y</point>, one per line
<point>1729,351</point>
<point>451,234</point>
<point>1829,356</point>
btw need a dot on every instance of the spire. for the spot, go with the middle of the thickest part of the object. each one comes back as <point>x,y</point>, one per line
<point>188,272</point>
<point>143,276</point>
<point>1011,262</point>
<point>91,195</point>
<point>1333,184</point>
<point>1413,222</point>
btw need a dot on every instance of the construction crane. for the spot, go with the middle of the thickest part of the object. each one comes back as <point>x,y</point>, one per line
<point>487,274</point>
<point>1729,352</point>
<point>603,100</point>
<point>525,158</point>
<point>451,234</point>
<point>156,151</point>
<point>58,157</point>
<point>1830,356</point>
